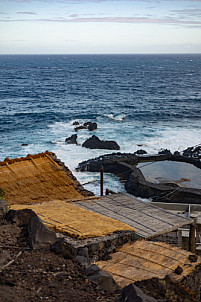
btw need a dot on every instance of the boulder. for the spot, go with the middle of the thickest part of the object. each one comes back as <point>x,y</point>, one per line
<point>65,249</point>
<point>86,124</point>
<point>76,123</point>
<point>132,293</point>
<point>188,152</point>
<point>95,143</point>
<point>165,151</point>
<point>140,152</point>
<point>72,139</point>
<point>80,127</point>
<point>21,217</point>
<point>193,152</point>
<point>39,236</point>
<point>82,261</point>
<point>92,126</point>
<point>3,208</point>
<point>104,280</point>
<point>178,270</point>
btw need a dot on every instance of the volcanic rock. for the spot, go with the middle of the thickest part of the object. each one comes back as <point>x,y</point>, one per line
<point>76,123</point>
<point>3,208</point>
<point>39,236</point>
<point>140,152</point>
<point>21,217</point>
<point>95,143</point>
<point>133,293</point>
<point>103,279</point>
<point>80,127</point>
<point>165,151</point>
<point>86,124</point>
<point>72,139</point>
<point>92,126</point>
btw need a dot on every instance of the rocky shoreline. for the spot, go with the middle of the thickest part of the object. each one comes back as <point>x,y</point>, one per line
<point>124,165</point>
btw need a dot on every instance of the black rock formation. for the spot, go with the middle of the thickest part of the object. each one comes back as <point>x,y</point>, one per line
<point>72,139</point>
<point>95,143</point>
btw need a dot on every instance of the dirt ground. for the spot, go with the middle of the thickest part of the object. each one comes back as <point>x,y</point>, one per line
<point>40,275</point>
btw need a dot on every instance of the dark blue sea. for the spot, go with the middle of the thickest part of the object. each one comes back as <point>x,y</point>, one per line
<point>148,100</point>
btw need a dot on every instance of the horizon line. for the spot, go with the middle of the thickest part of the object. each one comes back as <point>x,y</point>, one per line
<point>99,54</point>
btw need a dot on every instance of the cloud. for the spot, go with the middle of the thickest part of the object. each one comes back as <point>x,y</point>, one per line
<point>187,12</point>
<point>8,41</point>
<point>89,1</point>
<point>133,20</point>
<point>26,13</point>
<point>74,16</point>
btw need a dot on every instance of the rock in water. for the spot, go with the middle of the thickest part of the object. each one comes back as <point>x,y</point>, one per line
<point>140,152</point>
<point>72,139</point>
<point>92,126</point>
<point>95,143</point>
<point>79,128</point>
<point>76,123</point>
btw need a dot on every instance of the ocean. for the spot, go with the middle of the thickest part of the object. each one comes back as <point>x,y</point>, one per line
<point>148,102</point>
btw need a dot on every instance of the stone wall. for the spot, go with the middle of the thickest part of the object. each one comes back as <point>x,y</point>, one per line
<point>93,249</point>
<point>193,282</point>
<point>173,238</point>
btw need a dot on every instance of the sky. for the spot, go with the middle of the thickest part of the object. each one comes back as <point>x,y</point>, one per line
<point>100,26</point>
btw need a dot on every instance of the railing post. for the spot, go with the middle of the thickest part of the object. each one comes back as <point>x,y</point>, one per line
<point>191,247</point>
<point>101,181</point>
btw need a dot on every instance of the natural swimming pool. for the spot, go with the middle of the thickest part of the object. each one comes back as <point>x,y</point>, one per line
<point>183,174</point>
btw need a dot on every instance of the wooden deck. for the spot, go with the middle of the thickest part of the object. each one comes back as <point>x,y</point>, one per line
<point>147,219</point>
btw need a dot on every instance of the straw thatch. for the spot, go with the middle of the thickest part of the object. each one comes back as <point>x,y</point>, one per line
<point>143,260</point>
<point>73,221</point>
<point>34,179</point>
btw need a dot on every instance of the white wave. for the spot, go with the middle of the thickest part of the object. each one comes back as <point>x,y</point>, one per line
<point>118,117</point>
<point>128,135</point>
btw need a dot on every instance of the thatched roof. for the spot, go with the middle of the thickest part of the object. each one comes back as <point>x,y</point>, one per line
<point>143,260</point>
<point>73,221</point>
<point>35,179</point>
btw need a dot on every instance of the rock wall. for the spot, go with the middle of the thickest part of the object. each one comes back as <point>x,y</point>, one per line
<point>172,238</point>
<point>90,250</point>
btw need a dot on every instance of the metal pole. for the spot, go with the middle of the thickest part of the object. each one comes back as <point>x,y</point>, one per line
<point>101,181</point>
<point>192,238</point>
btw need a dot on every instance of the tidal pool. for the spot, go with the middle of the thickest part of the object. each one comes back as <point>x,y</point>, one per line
<point>183,174</point>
